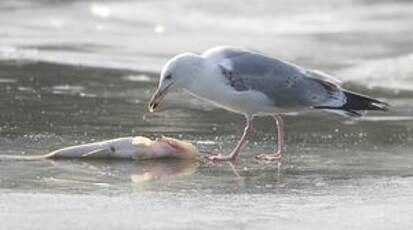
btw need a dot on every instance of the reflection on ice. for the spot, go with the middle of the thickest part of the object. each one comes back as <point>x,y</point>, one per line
<point>112,172</point>
<point>7,80</point>
<point>100,10</point>
<point>56,22</point>
<point>387,118</point>
<point>138,78</point>
<point>159,29</point>
<point>163,169</point>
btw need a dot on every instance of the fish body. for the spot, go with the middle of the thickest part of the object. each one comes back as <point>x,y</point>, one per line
<point>134,148</point>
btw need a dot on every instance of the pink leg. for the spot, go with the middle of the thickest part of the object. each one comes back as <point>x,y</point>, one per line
<point>234,154</point>
<point>281,143</point>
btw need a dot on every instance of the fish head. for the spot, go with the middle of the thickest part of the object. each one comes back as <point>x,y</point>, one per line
<point>182,149</point>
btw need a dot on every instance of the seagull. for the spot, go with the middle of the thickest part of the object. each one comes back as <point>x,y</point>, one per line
<point>254,84</point>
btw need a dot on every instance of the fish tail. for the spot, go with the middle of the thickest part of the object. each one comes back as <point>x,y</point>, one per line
<point>24,158</point>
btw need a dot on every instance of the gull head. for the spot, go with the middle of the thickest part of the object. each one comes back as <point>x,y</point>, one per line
<point>179,72</point>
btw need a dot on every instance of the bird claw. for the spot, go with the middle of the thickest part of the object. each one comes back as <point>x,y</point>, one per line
<point>269,157</point>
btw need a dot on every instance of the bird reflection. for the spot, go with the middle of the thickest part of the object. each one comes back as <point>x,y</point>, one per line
<point>234,170</point>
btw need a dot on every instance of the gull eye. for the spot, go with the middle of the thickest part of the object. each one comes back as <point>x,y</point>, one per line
<point>168,76</point>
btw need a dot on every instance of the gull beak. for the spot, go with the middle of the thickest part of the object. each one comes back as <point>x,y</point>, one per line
<point>157,97</point>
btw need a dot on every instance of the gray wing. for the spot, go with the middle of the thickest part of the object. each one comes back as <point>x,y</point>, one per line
<point>287,85</point>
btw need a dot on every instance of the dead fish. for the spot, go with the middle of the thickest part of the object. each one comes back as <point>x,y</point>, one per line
<point>136,148</point>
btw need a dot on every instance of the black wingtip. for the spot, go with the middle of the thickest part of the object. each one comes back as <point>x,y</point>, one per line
<point>357,102</point>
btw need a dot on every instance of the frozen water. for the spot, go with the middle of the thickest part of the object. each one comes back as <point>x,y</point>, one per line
<point>82,71</point>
